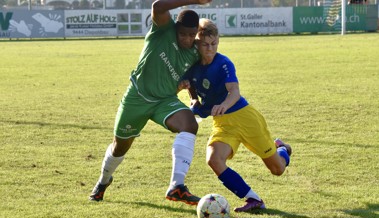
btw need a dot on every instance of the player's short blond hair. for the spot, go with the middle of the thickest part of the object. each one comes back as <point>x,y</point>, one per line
<point>206,28</point>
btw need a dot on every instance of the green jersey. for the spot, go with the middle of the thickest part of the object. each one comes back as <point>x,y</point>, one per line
<point>161,64</point>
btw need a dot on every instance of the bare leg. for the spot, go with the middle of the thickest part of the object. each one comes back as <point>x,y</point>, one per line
<point>217,154</point>
<point>276,164</point>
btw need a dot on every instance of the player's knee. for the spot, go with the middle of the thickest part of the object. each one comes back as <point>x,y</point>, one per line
<point>121,146</point>
<point>194,127</point>
<point>213,162</point>
<point>182,121</point>
<point>191,127</point>
<point>277,170</point>
<point>210,162</point>
<point>217,165</point>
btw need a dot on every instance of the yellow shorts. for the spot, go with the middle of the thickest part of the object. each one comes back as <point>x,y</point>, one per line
<point>246,126</point>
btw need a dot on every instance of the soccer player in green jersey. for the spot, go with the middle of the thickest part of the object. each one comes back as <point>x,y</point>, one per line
<point>167,54</point>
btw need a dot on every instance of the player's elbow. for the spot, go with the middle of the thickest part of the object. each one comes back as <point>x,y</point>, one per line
<point>156,7</point>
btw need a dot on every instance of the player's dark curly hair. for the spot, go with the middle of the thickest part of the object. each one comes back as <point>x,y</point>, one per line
<point>188,18</point>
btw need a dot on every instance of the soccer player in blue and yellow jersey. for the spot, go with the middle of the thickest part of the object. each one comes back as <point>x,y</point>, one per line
<point>214,80</point>
<point>167,54</point>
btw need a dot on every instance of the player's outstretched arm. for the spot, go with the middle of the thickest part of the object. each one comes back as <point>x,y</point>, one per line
<point>160,9</point>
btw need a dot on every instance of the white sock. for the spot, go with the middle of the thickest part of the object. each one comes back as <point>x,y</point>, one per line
<point>182,154</point>
<point>252,194</point>
<point>110,164</point>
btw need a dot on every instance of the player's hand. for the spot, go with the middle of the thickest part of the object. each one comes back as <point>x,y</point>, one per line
<point>218,110</point>
<point>184,84</point>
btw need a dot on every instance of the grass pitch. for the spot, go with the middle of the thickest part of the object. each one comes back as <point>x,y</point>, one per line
<point>58,100</point>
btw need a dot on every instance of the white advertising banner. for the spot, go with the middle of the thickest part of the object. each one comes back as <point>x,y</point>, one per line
<point>252,21</point>
<point>136,22</point>
<point>248,21</point>
<point>31,24</point>
<point>89,23</point>
<point>232,21</point>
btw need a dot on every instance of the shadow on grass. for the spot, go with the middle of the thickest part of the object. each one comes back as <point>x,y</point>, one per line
<point>371,211</point>
<point>323,142</point>
<point>38,123</point>
<point>270,212</point>
<point>77,126</point>
<point>168,208</point>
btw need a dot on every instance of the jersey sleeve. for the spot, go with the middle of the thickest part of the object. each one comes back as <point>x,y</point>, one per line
<point>155,30</point>
<point>230,71</point>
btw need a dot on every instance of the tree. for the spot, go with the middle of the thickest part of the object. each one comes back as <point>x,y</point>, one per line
<point>97,4</point>
<point>282,3</point>
<point>11,3</point>
<point>75,4</point>
<point>120,4</point>
<point>84,4</point>
<point>3,3</point>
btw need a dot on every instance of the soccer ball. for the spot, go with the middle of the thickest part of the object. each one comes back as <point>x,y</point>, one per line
<point>213,206</point>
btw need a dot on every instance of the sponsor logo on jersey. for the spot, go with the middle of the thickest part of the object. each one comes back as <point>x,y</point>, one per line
<point>128,129</point>
<point>171,69</point>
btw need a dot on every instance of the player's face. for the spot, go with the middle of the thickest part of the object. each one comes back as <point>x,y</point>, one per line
<point>186,36</point>
<point>207,46</point>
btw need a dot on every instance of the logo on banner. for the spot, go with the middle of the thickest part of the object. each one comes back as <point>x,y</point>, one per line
<point>4,20</point>
<point>230,21</point>
<point>24,26</point>
<point>148,21</point>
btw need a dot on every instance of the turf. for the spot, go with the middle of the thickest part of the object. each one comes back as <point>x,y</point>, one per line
<point>58,100</point>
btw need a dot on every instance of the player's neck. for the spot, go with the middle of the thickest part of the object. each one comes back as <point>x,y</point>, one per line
<point>206,61</point>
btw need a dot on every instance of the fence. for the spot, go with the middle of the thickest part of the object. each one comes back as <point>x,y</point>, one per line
<point>146,4</point>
